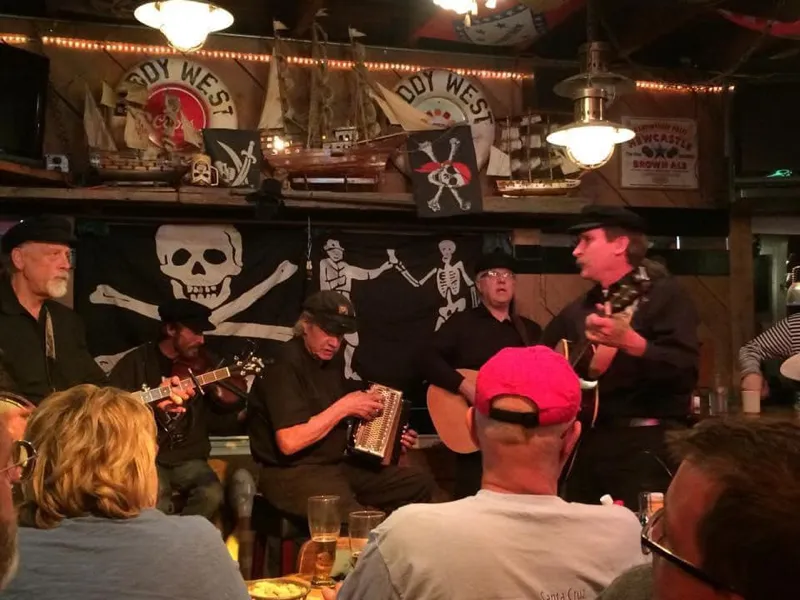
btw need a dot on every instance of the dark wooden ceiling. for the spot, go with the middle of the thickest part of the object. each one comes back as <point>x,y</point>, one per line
<point>687,37</point>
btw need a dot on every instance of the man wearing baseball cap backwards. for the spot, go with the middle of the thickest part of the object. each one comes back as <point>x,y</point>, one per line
<point>516,538</point>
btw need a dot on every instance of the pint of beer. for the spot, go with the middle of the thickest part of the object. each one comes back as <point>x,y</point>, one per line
<point>324,522</point>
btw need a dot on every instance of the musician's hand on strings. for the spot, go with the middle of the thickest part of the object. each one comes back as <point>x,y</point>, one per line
<point>364,405</point>
<point>614,331</point>
<point>178,395</point>
<point>408,439</point>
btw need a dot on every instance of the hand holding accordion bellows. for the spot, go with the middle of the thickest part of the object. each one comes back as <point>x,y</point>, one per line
<point>364,405</point>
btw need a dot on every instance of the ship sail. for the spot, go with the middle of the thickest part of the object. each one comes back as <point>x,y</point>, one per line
<point>271,113</point>
<point>398,111</point>
<point>138,130</point>
<point>97,135</point>
<point>499,163</point>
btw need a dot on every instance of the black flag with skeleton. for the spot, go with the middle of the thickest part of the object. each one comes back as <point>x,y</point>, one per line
<point>404,287</point>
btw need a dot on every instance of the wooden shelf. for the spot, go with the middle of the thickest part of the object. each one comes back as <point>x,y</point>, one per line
<point>550,205</point>
<point>11,172</point>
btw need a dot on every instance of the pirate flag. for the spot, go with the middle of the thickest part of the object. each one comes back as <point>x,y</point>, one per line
<point>236,154</point>
<point>444,172</point>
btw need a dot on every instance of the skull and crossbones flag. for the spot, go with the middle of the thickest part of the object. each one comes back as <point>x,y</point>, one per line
<point>444,172</point>
<point>247,276</point>
<point>404,288</point>
<point>236,155</point>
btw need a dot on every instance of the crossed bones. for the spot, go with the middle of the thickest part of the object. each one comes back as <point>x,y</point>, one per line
<point>105,294</point>
<point>437,177</point>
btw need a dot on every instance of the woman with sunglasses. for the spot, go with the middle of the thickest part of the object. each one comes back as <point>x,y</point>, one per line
<point>88,526</point>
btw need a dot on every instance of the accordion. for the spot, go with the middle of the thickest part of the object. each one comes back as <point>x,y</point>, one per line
<point>378,440</point>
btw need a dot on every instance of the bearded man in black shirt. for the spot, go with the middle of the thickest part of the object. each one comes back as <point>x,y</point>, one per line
<point>298,419</point>
<point>645,364</point>
<point>183,444</point>
<point>470,338</point>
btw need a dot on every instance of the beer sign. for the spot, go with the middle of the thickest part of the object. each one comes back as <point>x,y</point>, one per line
<point>180,90</point>
<point>662,155</point>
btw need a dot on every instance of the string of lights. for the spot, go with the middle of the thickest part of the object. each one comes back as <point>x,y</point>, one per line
<point>131,48</point>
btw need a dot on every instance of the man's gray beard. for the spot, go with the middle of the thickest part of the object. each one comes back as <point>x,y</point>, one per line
<point>57,288</point>
<point>9,553</point>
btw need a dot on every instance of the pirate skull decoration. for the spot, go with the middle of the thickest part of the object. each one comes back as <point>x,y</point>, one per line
<point>447,175</point>
<point>200,261</point>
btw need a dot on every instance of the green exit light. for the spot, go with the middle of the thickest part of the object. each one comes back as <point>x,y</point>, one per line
<point>781,173</point>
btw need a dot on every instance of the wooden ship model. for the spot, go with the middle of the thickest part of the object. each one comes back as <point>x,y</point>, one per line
<point>353,154</point>
<point>526,165</point>
<point>125,146</point>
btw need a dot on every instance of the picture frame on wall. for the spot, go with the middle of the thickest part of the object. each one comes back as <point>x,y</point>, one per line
<point>663,155</point>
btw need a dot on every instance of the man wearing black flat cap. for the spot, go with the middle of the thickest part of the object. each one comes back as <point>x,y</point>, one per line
<point>645,360</point>
<point>42,341</point>
<point>183,444</point>
<point>298,416</point>
<point>470,338</point>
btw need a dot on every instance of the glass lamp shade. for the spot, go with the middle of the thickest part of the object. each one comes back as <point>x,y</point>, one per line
<point>185,23</point>
<point>590,145</point>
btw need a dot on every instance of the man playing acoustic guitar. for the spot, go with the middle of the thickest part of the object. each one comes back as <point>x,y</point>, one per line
<point>645,359</point>
<point>466,341</point>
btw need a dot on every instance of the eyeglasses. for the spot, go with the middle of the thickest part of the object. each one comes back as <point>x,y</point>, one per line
<point>502,275</point>
<point>653,533</point>
<point>23,457</point>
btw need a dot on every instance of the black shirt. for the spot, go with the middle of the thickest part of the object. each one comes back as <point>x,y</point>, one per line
<point>294,389</point>
<point>658,383</point>
<point>467,340</point>
<point>187,438</point>
<point>22,342</point>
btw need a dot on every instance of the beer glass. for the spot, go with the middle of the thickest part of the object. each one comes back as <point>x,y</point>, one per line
<point>325,523</point>
<point>361,522</point>
<point>649,503</point>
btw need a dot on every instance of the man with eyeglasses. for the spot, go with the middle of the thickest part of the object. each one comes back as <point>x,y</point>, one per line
<point>645,359</point>
<point>470,338</point>
<point>729,526</point>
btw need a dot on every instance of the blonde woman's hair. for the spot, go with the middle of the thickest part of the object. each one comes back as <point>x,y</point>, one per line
<point>96,456</point>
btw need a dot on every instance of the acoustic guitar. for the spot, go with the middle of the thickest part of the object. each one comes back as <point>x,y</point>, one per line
<point>448,410</point>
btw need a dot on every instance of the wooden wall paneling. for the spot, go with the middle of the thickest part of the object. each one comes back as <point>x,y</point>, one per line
<point>742,302</point>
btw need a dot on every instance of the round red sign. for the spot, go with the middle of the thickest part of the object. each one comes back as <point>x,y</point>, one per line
<point>181,91</point>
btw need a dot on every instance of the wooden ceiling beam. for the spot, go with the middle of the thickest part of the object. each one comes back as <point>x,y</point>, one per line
<point>649,24</point>
<point>731,56</point>
<point>307,12</point>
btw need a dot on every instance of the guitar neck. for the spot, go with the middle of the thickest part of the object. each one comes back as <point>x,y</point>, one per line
<point>159,393</point>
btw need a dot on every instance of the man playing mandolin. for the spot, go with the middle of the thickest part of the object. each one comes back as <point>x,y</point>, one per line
<point>644,357</point>
<point>183,441</point>
<point>466,341</point>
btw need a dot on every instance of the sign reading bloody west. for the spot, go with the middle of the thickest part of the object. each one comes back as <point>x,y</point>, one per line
<point>181,89</point>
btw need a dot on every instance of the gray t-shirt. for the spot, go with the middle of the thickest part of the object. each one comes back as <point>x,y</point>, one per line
<point>496,546</point>
<point>152,556</point>
<point>636,584</point>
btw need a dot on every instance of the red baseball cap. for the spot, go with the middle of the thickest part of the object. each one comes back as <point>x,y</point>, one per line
<point>536,373</point>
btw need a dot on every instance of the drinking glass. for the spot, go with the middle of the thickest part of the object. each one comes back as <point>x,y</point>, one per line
<point>649,503</point>
<point>361,522</point>
<point>324,522</point>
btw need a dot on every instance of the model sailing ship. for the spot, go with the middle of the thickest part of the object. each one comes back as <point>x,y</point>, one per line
<point>526,164</point>
<point>124,144</point>
<point>356,153</point>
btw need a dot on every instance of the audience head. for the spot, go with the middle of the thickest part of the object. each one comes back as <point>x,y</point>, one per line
<point>37,253</point>
<point>9,474</point>
<point>327,317</point>
<point>525,416</point>
<point>729,527</point>
<point>96,452</point>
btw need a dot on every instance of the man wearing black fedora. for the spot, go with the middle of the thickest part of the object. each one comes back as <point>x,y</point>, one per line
<point>43,342</point>
<point>644,358</point>
<point>183,442</point>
